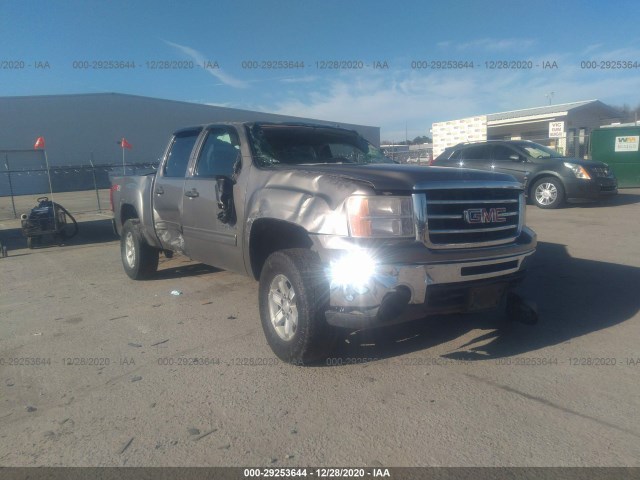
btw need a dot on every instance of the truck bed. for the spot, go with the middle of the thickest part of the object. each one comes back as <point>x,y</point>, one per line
<point>134,191</point>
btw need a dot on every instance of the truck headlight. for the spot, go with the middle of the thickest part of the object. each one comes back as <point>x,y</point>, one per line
<point>578,171</point>
<point>352,271</point>
<point>380,217</point>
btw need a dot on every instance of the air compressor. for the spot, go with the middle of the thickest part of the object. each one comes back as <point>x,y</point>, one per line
<point>48,218</point>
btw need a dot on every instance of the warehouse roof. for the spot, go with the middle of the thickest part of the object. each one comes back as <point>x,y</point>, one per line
<point>548,110</point>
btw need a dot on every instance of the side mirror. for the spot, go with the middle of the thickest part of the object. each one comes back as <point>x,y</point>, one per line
<point>516,158</point>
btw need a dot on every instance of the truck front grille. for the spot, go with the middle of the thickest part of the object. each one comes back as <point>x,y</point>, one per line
<point>470,217</point>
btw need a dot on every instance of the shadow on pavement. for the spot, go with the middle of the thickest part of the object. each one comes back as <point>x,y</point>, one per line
<point>182,271</point>
<point>617,200</point>
<point>575,297</point>
<point>89,232</point>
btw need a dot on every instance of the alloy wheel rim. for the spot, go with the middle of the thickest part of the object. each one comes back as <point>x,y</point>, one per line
<point>546,193</point>
<point>283,310</point>
<point>129,250</point>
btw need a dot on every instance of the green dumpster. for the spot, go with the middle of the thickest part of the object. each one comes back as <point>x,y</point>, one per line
<point>618,147</point>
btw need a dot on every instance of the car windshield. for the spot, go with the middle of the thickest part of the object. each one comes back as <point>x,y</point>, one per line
<point>276,144</point>
<point>539,151</point>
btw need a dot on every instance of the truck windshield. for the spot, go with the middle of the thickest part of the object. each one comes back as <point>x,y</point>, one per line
<point>276,144</point>
<point>539,151</point>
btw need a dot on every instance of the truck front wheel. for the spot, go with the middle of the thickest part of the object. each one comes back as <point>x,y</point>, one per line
<point>139,259</point>
<point>293,297</point>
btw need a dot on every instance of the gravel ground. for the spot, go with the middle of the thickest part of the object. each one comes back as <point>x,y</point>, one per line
<point>99,370</point>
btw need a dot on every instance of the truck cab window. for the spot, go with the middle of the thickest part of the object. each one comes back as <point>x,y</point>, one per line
<point>219,154</point>
<point>179,153</point>
<point>300,144</point>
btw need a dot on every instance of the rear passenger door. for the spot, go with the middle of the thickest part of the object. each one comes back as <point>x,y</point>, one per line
<point>168,190</point>
<point>507,160</point>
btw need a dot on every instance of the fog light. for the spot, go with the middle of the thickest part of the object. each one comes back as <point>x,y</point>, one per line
<point>353,271</point>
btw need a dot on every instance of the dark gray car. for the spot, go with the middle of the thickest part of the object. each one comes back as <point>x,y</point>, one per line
<point>550,178</point>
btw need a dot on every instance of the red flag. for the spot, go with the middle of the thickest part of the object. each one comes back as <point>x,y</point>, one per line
<point>125,144</point>
<point>39,143</point>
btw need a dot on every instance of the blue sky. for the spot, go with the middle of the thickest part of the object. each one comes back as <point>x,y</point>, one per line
<point>355,32</point>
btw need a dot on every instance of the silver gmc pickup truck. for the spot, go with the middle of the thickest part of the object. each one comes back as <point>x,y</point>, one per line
<point>337,234</point>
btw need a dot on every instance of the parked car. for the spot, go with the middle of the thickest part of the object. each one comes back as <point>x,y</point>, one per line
<point>336,233</point>
<point>550,178</point>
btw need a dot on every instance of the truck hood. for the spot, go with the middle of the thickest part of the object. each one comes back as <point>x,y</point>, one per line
<point>395,177</point>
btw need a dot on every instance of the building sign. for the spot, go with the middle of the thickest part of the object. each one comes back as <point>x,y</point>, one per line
<point>627,144</point>
<point>556,129</point>
<point>447,134</point>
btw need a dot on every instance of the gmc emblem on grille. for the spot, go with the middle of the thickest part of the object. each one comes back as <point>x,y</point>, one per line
<point>485,215</point>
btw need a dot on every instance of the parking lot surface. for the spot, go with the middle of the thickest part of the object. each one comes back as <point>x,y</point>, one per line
<point>99,370</point>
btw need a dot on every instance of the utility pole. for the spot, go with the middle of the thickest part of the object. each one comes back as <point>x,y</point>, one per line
<point>549,96</point>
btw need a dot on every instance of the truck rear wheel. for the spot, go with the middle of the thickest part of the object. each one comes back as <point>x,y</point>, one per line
<point>139,259</point>
<point>293,297</point>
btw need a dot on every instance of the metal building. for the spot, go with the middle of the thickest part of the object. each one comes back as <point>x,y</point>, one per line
<point>565,127</point>
<point>87,128</point>
<point>76,125</point>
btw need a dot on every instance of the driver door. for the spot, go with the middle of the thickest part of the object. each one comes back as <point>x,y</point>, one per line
<point>208,238</point>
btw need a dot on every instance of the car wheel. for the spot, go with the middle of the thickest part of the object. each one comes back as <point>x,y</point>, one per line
<point>547,192</point>
<point>139,259</point>
<point>293,296</point>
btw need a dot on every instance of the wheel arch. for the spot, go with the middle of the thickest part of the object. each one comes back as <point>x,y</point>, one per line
<point>541,175</point>
<point>269,235</point>
<point>127,211</point>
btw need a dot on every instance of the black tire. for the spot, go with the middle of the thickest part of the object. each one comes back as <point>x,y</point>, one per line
<point>548,193</point>
<point>61,228</point>
<point>300,271</point>
<point>139,260</point>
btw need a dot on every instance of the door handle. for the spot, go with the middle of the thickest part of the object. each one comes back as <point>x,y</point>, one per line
<point>159,191</point>
<point>193,193</point>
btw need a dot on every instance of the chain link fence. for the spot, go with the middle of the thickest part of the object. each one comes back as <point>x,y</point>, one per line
<point>24,177</point>
<point>411,154</point>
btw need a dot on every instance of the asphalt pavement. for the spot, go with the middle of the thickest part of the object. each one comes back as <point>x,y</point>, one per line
<point>99,370</point>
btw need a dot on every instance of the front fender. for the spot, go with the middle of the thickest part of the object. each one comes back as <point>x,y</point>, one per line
<point>314,202</point>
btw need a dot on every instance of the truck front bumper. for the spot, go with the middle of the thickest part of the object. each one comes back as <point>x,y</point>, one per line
<point>395,293</point>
